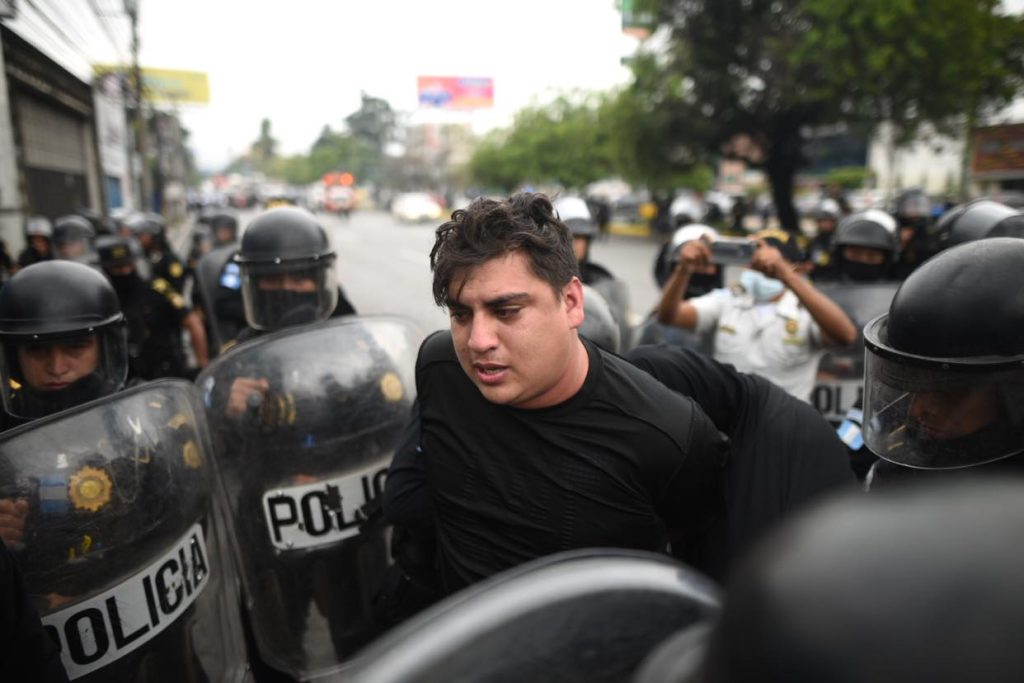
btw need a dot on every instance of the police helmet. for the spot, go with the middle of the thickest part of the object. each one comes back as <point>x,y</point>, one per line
<point>912,208</point>
<point>287,267</point>
<point>977,220</point>
<point>62,339</point>
<point>39,226</point>
<point>828,209</point>
<point>223,222</point>
<point>574,212</point>
<point>668,257</point>
<point>944,370</point>
<point>72,238</point>
<point>115,251</point>
<point>147,223</point>
<point>920,584</point>
<point>599,324</point>
<point>871,229</point>
<point>100,223</point>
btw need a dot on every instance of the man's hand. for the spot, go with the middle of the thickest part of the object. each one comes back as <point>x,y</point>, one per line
<point>241,389</point>
<point>12,519</point>
<point>769,260</point>
<point>694,254</point>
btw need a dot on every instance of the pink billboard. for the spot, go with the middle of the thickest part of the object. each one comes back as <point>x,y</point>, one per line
<point>455,92</point>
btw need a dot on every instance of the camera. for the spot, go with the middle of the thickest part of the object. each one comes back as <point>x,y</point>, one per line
<point>732,251</point>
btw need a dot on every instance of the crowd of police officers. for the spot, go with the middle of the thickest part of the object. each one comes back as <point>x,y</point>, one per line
<point>97,307</point>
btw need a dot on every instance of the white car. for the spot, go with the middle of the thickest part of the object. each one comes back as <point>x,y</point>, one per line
<point>414,207</point>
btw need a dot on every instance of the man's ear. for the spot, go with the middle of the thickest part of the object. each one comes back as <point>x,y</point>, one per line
<point>572,299</point>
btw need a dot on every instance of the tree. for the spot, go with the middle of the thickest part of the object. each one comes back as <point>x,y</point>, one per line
<point>373,125</point>
<point>747,78</point>
<point>563,142</point>
<point>264,150</point>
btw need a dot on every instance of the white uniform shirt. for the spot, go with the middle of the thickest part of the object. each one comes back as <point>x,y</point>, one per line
<point>779,341</point>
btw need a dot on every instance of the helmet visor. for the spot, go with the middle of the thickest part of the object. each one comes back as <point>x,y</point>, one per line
<point>278,295</point>
<point>941,416</point>
<point>42,376</point>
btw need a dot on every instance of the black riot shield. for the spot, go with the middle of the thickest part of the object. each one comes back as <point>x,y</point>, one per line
<point>616,294</point>
<point>118,549</point>
<point>304,425</point>
<point>839,385</point>
<point>219,283</point>
<point>586,615</point>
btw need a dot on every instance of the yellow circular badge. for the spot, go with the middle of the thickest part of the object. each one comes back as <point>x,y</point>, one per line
<point>190,454</point>
<point>89,488</point>
<point>391,387</point>
<point>791,327</point>
<point>175,269</point>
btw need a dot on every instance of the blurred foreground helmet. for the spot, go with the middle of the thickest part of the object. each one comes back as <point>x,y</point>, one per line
<point>944,370</point>
<point>573,211</point>
<point>922,584</point>
<point>871,229</point>
<point>977,220</point>
<point>62,339</point>
<point>287,268</point>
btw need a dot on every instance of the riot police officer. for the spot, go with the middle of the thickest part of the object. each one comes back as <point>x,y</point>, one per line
<point>287,271</point>
<point>62,340</point>
<point>72,239</point>
<point>865,247</point>
<point>38,234</point>
<point>944,372</point>
<point>155,313</point>
<point>912,210</point>
<point>575,213</point>
<point>149,230</point>
<point>819,250</point>
<point>977,220</point>
<point>224,227</point>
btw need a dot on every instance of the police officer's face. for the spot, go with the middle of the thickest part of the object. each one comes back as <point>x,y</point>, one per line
<point>72,250</point>
<point>287,282</point>
<point>40,244</point>
<point>514,337</point>
<point>53,365</point>
<point>580,246</point>
<point>865,255</point>
<point>954,414</point>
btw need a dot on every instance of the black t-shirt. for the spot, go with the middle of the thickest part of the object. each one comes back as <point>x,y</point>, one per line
<point>784,453</point>
<point>617,465</point>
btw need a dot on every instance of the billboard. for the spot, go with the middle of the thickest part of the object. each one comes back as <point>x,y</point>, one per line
<point>167,85</point>
<point>455,92</point>
<point>999,151</point>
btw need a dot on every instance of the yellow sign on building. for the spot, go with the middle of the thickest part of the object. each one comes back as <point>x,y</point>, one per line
<point>167,85</point>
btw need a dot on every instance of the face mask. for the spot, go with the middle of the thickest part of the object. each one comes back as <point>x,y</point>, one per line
<point>863,272</point>
<point>762,288</point>
<point>284,309</point>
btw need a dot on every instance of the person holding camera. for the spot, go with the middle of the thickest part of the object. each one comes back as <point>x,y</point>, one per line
<point>775,323</point>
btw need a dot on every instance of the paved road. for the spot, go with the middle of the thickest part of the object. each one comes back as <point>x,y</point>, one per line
<point>384,265</point>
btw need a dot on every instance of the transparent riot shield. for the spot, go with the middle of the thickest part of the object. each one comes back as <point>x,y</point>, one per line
<point>118,548</point>
<point>839,385</point>
<point>219,283</point>
<point>304,423</point>
<point>585,615</point>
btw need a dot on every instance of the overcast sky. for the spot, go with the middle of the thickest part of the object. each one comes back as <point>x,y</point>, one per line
<point>303,63</point>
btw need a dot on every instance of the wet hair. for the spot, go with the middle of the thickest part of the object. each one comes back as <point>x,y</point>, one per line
<point>490,228</point>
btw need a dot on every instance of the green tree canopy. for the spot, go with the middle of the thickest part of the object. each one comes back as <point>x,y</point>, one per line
<point>747,77</point>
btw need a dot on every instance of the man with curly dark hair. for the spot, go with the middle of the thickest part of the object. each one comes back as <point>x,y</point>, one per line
<point>528,439</point>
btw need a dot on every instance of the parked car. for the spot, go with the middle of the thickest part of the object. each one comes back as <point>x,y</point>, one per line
<point>415,207</point>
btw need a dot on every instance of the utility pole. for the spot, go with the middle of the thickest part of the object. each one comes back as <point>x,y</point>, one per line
<point>145,187</point>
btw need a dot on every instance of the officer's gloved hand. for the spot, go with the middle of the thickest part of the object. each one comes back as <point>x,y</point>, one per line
<point>247,393</point>
<point>13,512</point>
